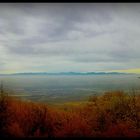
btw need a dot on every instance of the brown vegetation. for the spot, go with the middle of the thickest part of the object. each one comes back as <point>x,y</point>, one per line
<point>114,114</point>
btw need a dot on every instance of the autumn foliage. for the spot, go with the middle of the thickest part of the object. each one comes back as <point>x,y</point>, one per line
<point>114,114</point>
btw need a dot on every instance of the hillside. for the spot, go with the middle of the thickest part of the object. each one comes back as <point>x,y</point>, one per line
<point>114,114</point>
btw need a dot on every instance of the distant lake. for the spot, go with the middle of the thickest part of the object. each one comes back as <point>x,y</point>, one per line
<point>61,88</point>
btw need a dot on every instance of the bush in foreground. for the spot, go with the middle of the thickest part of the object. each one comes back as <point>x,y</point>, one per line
<point>110,115</point>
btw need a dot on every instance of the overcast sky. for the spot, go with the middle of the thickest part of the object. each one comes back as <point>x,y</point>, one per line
<point>69,37</point>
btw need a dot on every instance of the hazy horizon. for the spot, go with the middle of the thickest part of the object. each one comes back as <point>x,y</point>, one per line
<point>69,37</point>
<point>68,72</point>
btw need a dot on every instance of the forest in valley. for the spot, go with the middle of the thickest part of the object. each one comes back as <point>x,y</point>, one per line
<point>113,114</point>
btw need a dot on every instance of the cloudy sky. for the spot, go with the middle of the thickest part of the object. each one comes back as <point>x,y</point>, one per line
<point>69,37</point>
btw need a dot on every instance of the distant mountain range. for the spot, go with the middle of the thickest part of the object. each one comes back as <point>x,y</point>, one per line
<point>68,73</point>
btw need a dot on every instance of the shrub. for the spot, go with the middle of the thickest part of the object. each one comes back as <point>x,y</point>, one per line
<point>112,114</point>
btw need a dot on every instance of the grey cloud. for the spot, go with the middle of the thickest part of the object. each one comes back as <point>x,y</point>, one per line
<point>63,16</point>
<point>2,66</point>
<point>22,49</point>
<point>74,34</point>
